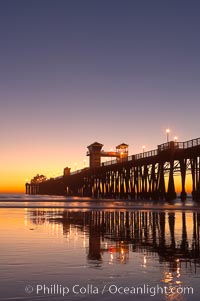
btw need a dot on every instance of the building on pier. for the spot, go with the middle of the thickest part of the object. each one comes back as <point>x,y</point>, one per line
<point>95,153</point>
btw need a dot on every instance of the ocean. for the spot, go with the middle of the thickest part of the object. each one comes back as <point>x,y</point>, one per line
<point>58,248</point>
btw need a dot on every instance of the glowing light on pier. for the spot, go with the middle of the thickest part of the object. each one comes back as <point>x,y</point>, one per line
<point>167,132</point>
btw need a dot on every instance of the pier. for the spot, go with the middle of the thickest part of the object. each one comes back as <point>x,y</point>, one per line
<point>147,175</point>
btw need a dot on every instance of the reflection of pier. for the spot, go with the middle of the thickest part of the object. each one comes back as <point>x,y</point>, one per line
<point>147,175</point>
<point>173,236</point>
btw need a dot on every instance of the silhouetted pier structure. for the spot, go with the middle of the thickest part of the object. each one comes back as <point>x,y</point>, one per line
<point>146,175</point>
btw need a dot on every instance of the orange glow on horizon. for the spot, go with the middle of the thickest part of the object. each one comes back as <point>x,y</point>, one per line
<point>17,184</point>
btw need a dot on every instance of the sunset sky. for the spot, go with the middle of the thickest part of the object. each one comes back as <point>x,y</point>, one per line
<point>74,72</point>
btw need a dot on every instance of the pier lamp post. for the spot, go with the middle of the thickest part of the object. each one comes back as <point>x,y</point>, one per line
<point>75,166</point>
<point>167,132</point>
<point>143,148</point>
<point>175,139</point>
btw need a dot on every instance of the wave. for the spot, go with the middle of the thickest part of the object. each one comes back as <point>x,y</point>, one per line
<point>54,202</point>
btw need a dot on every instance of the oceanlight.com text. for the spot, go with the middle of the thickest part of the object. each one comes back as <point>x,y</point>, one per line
<point>110,289</point>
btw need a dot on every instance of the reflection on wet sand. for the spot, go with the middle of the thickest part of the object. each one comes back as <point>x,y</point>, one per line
<point>173,236</point>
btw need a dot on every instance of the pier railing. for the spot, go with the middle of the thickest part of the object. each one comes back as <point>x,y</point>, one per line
<point>189,144</point>
<point>132,157</point>
<point>162,147</point>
